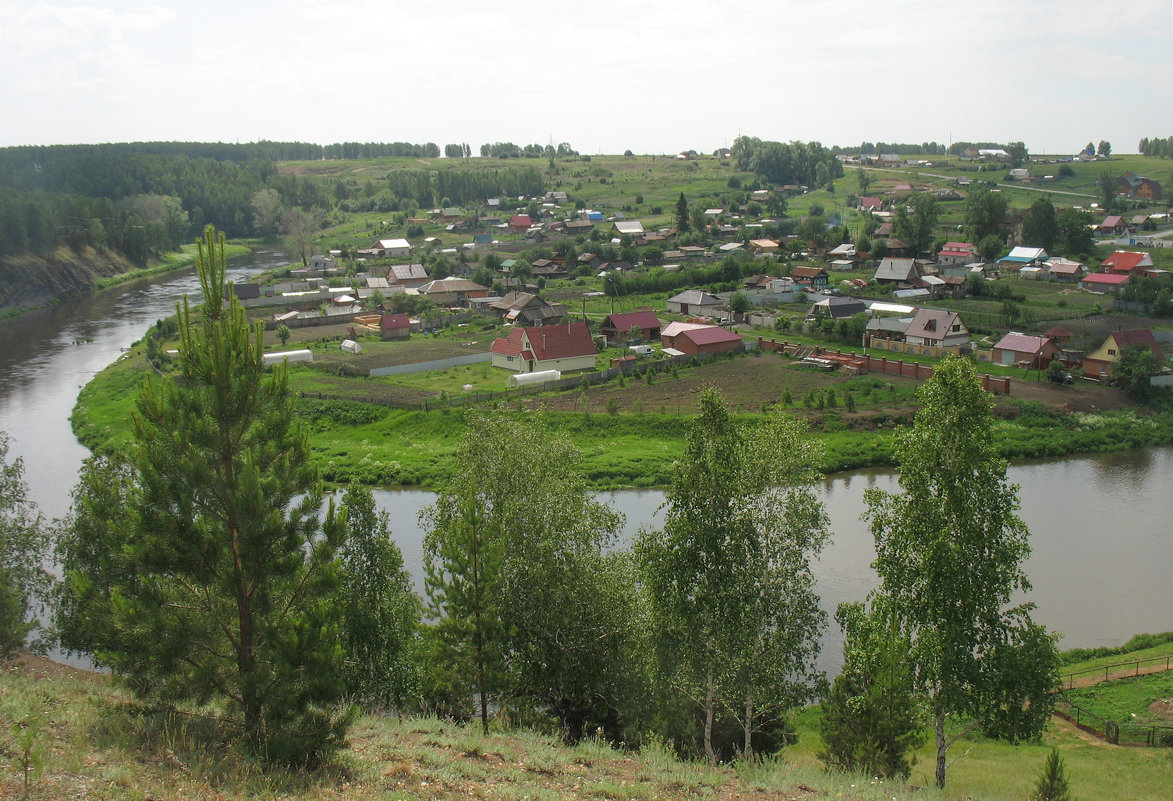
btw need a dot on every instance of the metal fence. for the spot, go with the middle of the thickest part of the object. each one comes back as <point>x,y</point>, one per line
<point>1112,731</point>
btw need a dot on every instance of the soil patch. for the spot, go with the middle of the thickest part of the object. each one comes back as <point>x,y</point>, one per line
<point>1162,709</point>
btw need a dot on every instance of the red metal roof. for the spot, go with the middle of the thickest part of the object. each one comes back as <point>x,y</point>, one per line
<point>710,335</point>
<point>1123,260</point>
<point>644,320</point>
<point>394,321</point>
<point>560,341</point>
<point>1106,278</point>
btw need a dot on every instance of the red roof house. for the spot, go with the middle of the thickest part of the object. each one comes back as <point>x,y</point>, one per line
<point>1127,262</point>
<point>1099,363</point>
<point>520,223</point>
<point>708,339</point>
<point>1103,283</point>
<point>548,347</point>
<point>617,327</point>
<point>394,326</point>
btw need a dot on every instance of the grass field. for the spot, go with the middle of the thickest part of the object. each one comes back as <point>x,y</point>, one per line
<point>78,736</point>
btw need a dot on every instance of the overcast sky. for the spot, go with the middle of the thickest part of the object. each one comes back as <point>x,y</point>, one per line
<point>650,75</point>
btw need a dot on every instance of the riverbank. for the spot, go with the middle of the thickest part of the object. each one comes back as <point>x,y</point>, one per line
<point>33,282</point>
<point>631,432</point>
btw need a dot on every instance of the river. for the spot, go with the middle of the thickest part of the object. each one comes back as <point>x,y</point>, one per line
<point>1100,527</point>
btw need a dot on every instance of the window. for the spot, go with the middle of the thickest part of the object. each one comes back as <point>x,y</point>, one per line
<point>1111,352</point>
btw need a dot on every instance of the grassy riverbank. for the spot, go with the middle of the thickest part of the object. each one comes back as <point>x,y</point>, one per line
<point>630,432</point>
<point>181,259</point>
<point>80,736</point>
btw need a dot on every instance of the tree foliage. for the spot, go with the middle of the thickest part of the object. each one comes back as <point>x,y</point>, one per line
<point>916,221</point>
<point>380,610</point>
<point>949,554</point>
<point>1040,228</point>
<point>985,212</point>
<point>728,577</point>
<point>24,544</point>
<point>1052,783</point>
<point>213,579</point>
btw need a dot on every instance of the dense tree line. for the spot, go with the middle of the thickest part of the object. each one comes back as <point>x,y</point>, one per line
<point>429,188</point>
<point>806,164</point>
<point>1158,147</point>
<point>900,149</point>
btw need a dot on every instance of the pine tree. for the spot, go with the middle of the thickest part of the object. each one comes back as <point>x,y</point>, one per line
<point>682,223</point>
<point>1052,783</point>
<point>214,578</point>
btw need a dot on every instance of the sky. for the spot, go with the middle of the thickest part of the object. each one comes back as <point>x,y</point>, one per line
<point>651,76</point>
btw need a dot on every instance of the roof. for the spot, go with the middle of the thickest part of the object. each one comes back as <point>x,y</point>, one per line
<point>710,335</point>
<point>1123,260</point>
<point>846,249</point>
<point>1112,221</point>
<point>1064,267</point>
<point>1137,336</point>
<point>520,221</point>
<point>560,341</point>
<point>895,269</point>
<point>451,285</point>
<point>676,328</point>
<point>932,323</point>
<point>389,244</point>
<point>808,272</point>
<point>695,297</point>
<point>407,272</point>
<point>1105,278</point>
<point>394,321</point>
<point>870,203</point>
<point>629,226</point>
<point>1024,255</point>
<point>624,321</point>
<point>897,325</point>
<point>1022,343</point>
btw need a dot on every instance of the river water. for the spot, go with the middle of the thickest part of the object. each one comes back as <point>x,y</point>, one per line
<point>1100,525</point>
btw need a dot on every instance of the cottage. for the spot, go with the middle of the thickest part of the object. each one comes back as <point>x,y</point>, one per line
<point>452,291</point>
<point>811,277</point>
<point>619,328</point>
<point>956,254</point>
<point>1113,225</point>
<point>937,328</point>
<point>527,309</point>
<point>388,248</point>
<point>1020,257</point>
<point>1100,362</point>
<point>1127,262</point>
<point>837,308</point>
<point>520,223</point>
<point>893,270</point>
<point>631,227</point>
<point>1025,350</point>
<point>1064,270</point>
<point>565,348</point>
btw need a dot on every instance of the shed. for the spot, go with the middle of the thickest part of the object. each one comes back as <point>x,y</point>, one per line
<point>350,346</point>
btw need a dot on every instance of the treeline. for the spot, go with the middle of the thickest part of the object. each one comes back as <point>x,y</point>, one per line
<point>923,149</point>
<point>137,227</point>
<point>430,188</point>
<point>1161,148</point>
<point>508,150</point>
<point>806,164</point>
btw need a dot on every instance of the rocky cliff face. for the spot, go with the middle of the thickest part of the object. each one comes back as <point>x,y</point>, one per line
<point>28,281</point>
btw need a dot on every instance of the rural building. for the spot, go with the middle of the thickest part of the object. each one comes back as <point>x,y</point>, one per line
<point>394,326</point>
<point>632,227</point>
<point>892,270</point>
<point>1064,270</point>
<point>937,328</point>
<point>527,309</point>
<point>1103,283</point>
<point>388,248</point>
<point>1020,257</point>
<point>1025,350</point>
<point>407,275</point>
<point>957,254</point>
<point>693,338</point>
<point>618,328</point>
<point>565,348</point>
<point>1113,225</point>
<point>1127,262</point>
<point>837,307</point>
<point>812,277</point>
<point>520,223</point>
<point>1138,186</point>
<point>452,291</point>
<point>695,302</point>
<point>1099,363</point>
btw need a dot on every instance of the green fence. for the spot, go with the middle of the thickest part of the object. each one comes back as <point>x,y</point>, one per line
<point>1111,671</point>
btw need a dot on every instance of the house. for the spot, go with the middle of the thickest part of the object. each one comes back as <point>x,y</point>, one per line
<point>1099,363</point>
<point>837,307</point>
<point>247,291</point>
<point>1127,262</point>
<point>407,275</point>
<point>1103,283</point>
<point>632,227</point>
<point>694,338</point>
<point>322,264</point>
<point>1138,186</point>
<point>811,277</point>
<point>394,326</point>
<point>956,254</point>
<point>579,226</point>
<point>1020,257</point>
<point>763,246</point>
<point>591,260</point>
<point>527,309</point>
<point>693,251</point>
<point>867,204</point>
<point>846,251</point>
<point>695,302</point>
<point>892,270</point>
<point>759,281</point>
<point>1025,350</point>
<point>619,328</point>
<point>388,248</point>
<point>549,347</point>
<point>937,328</point>
<point>1064,270</point>
<point>452,291</point>
<point>1113,225</point>
<point>883,330</point>
<point>520,223</point>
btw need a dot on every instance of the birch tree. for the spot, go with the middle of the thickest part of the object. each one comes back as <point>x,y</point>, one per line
<point>729,576</point>
<point>949,553</point>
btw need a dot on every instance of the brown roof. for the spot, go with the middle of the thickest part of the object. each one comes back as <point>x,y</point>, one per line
<point>931,324</point>
<point>644,320</point>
